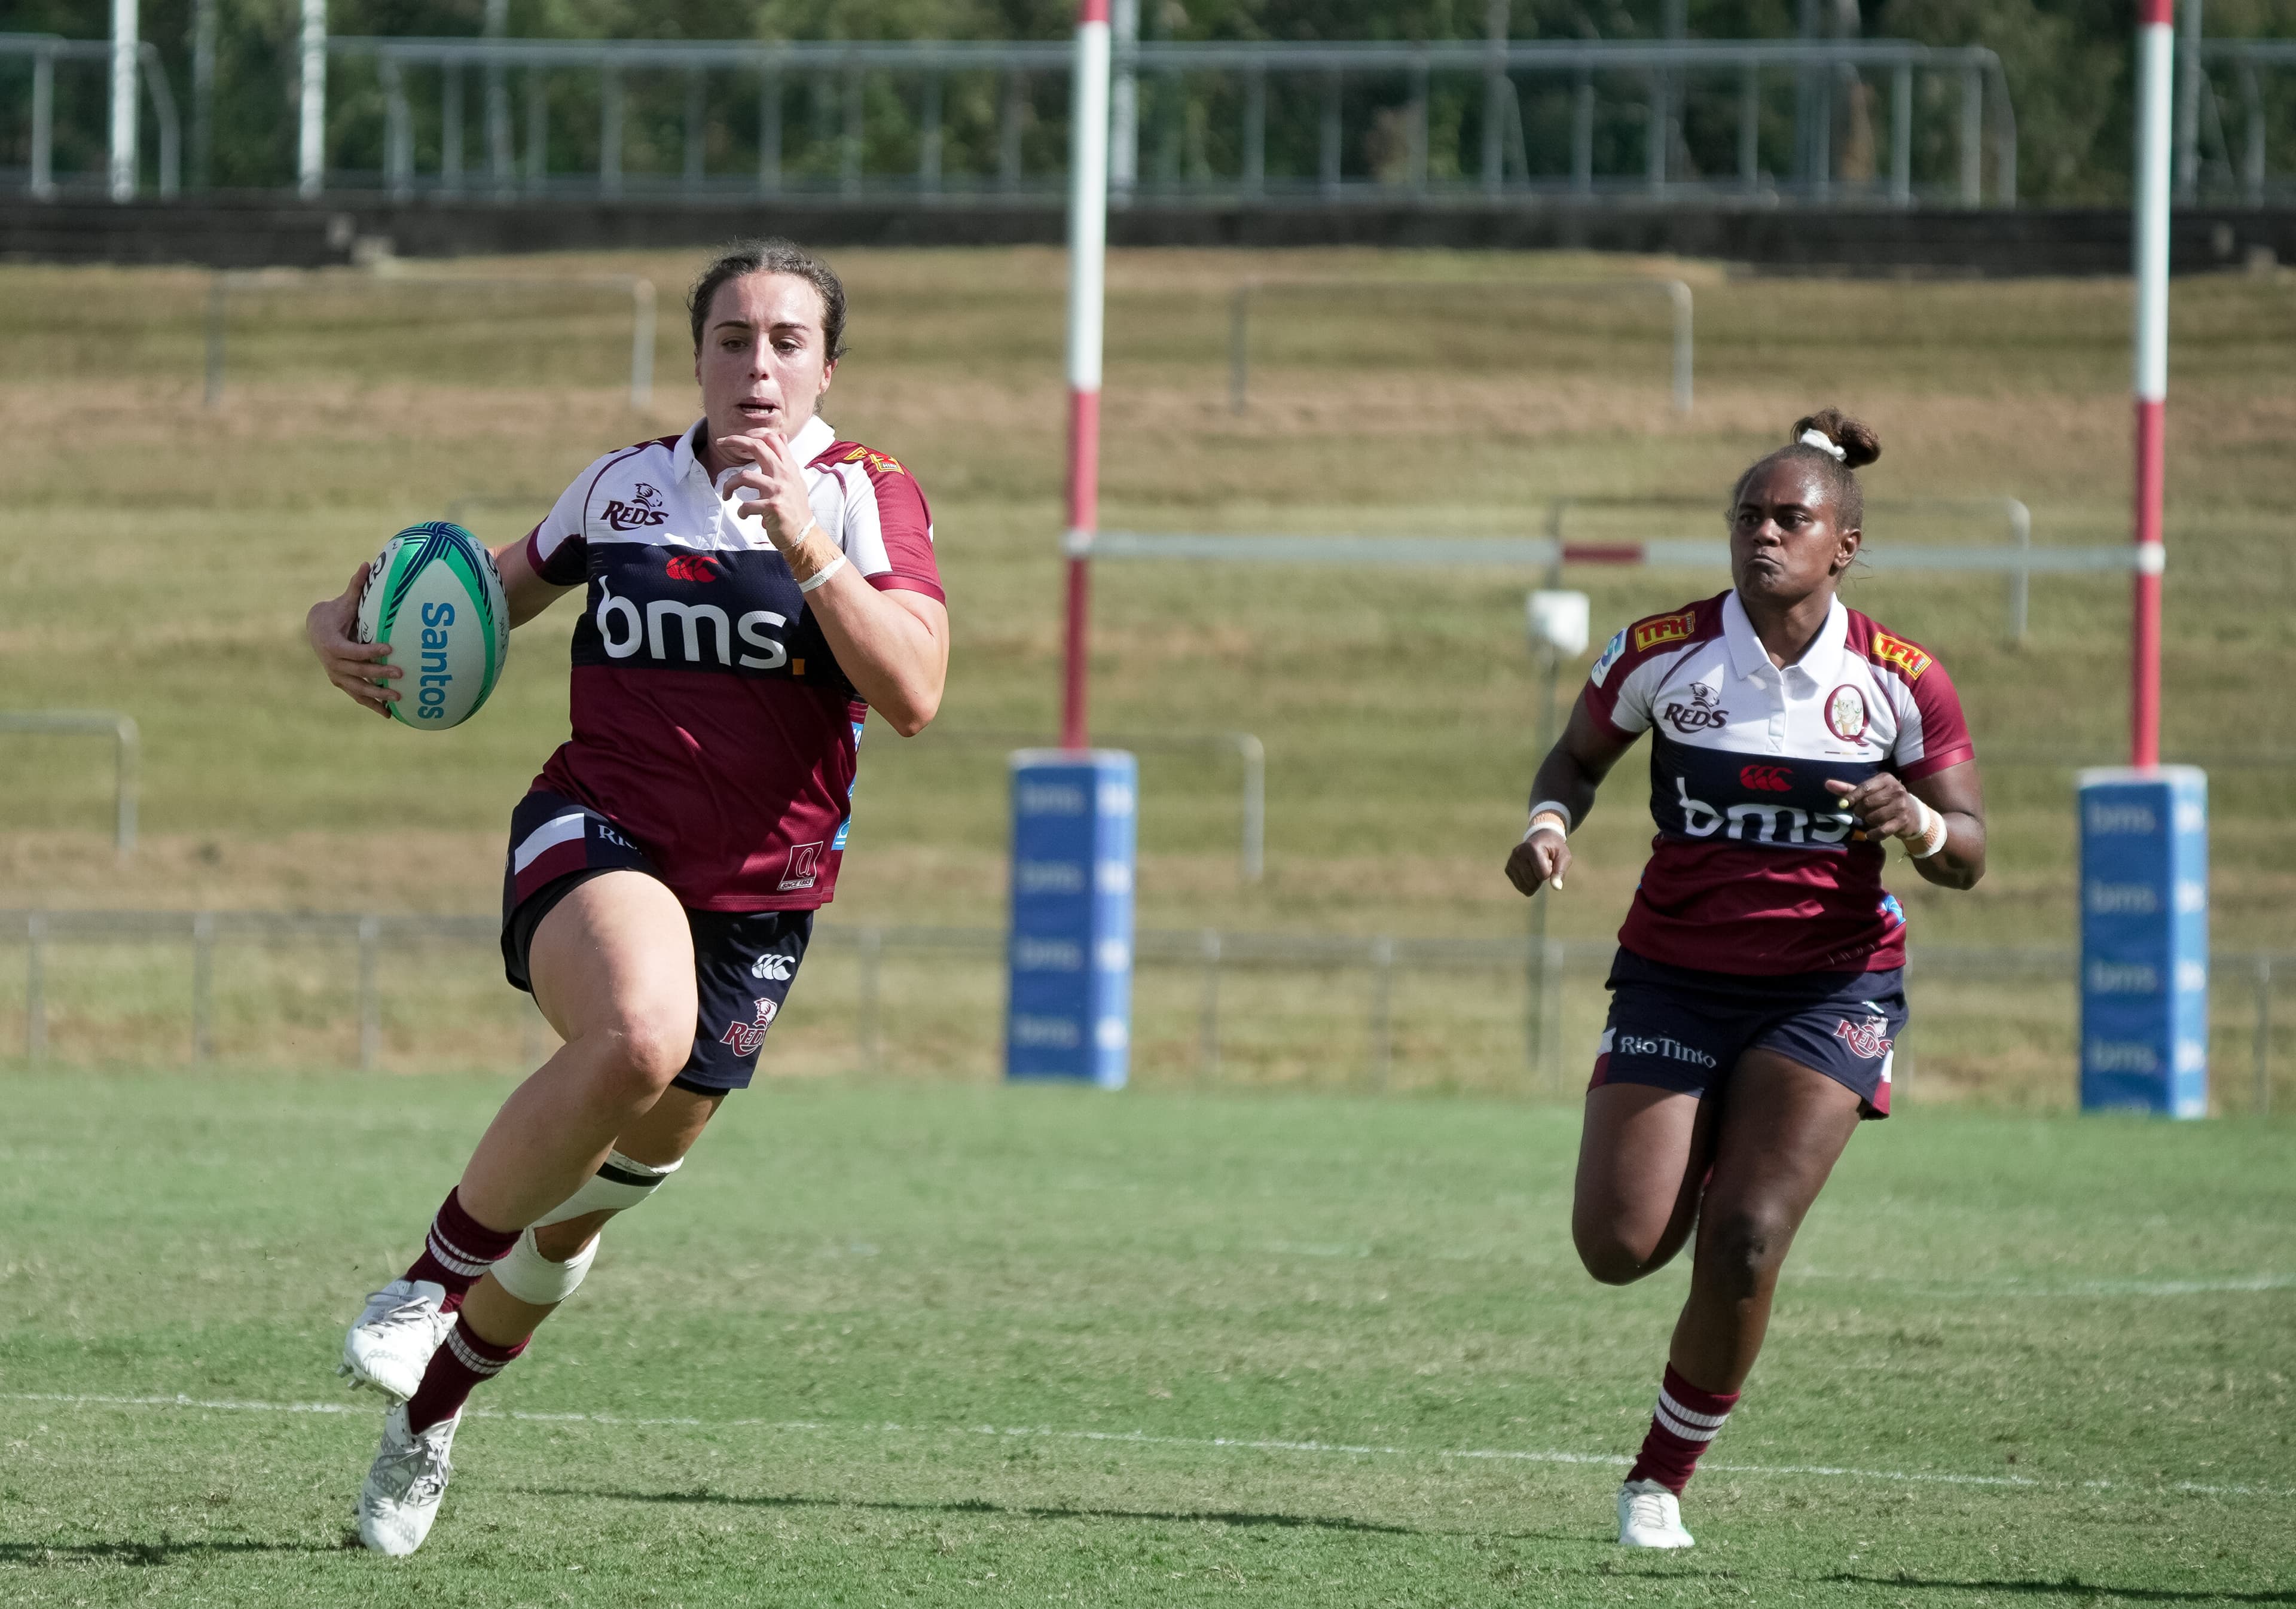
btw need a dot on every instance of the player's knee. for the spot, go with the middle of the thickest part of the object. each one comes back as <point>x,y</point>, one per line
<point>1612,1256</point>
<point>645,1051</point>
<point>1744,1246</point>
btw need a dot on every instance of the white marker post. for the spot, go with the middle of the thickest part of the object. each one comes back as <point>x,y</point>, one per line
<point>2155,79</point>
<point>1087,264</point>
<point>311,141</point>
<point>122,167</point>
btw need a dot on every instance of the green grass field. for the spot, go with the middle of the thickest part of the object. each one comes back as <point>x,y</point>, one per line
<point>156,557</point>
<point>884,1345</point>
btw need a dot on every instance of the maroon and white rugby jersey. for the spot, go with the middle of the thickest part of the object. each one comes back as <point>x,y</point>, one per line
<point>1754,870</point>
<point>711,724</point>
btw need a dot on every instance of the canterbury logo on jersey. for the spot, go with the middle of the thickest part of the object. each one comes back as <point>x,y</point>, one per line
<point>1766,779</point>
<point>671,630</point>
<point>1896,651</point>
<point>690,567</point>
<point>1665,628</point>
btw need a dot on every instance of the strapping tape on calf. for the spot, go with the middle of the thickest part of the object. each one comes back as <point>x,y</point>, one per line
<point>619,1185</point>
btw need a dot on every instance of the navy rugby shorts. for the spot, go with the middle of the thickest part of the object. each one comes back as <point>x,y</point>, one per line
<point>1685,1029</point>
<point>743,961</point>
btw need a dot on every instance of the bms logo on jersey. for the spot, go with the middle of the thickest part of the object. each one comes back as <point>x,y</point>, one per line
<point>673,631</point>
<point>1766,823</point>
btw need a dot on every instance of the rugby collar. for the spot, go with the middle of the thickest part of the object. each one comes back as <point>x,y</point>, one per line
<point>1749,657</point>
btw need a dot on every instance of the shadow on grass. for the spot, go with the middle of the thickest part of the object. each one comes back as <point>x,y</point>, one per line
<point>162,1552</point>
<point>974,1505</point>
<point>2072,1586</point>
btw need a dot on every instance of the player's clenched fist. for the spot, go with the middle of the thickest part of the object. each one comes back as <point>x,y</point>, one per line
<point>1542,857</point>
<point>1882,806</point>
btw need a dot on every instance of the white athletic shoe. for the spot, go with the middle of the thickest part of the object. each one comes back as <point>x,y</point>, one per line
<point>390,1343</point>
<point>401,1496</point>
<point>1650,1516</point>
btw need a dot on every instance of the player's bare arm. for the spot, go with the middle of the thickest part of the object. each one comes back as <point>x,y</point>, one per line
<point>1572,770</point>
<point>893,646</point>
<point>1890,809</point>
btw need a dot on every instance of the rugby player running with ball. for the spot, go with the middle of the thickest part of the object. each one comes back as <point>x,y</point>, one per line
<point>1758,983</point>
<point>755,586</point>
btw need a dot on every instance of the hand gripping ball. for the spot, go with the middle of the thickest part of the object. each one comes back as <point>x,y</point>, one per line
<point>435,598</point>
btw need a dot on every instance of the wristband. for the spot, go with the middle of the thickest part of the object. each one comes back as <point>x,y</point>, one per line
<point>1927,838</point>
<point>822,574</point>
<point>1558,818</point>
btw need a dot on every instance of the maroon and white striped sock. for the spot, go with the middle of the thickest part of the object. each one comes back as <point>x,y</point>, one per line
<point>456,1369</point>
<point>1682,1425</point>
<point>458,1250</point>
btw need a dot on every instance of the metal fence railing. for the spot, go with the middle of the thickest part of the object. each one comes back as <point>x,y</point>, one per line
<point>1192,992</point>
<point>2206,160</point>
<point>127,747</point>
<point>1867,121</point>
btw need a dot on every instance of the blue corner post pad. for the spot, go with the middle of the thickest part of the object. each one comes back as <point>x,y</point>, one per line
<point>1069,1014</point>
<point>2144,941</point>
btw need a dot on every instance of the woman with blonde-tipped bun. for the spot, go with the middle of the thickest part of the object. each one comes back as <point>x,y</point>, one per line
<point>1759,983</point>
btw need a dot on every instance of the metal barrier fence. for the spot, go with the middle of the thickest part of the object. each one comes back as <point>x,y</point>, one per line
<point>2016,562</point>
<point>222,287</point>
<point>863,98</point>
<point>1215,957</point>
<point>127,746</point>
<point>44,50</point>
<point>2201,122</point>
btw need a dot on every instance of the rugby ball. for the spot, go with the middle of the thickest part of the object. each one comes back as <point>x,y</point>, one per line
<point>435,598</point>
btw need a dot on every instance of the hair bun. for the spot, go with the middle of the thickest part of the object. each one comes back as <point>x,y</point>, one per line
<point>1859,444</point>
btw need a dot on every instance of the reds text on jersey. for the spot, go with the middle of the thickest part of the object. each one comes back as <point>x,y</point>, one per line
<point>1755,869</point>
<point>710,722</point>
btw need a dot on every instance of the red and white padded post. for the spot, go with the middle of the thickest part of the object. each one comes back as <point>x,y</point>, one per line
<point>2155,51</point>
<point>1087,261</point>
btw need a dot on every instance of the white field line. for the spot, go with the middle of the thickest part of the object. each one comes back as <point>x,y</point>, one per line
<point>2009,1285</point>
<point>1142,1439</point>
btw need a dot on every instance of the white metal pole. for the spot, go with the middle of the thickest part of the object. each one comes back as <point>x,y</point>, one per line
<point>1124,101</point>
<point>1087,265</point>
<point>122,173</point>
<point>2156,62</point>
<point>311,141</point>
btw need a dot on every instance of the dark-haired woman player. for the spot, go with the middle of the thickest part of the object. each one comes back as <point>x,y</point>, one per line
<point>755,586</point>
<point>1758,985</point>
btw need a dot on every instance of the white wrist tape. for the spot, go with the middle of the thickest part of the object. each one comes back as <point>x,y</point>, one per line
<point>1929,837</point>
<point>822,574</point>
<point>1557,819</point>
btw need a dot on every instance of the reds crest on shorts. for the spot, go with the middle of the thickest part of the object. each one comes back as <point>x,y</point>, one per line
<point>1863,1039</point>
<point>746,1036</point>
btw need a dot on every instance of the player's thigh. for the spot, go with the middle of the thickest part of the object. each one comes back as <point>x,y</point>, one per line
<point>615,956</point>
<point>1783,1129</point>
<point>1642,1155</point>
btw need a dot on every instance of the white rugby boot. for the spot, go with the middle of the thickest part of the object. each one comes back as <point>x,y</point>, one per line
<point>400,1497</point>
<point>390,1343</point>
<point>1650,1516</point>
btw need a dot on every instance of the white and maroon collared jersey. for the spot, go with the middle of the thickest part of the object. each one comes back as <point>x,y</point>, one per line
<point>711,721</point>
<point>1754,869</point>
